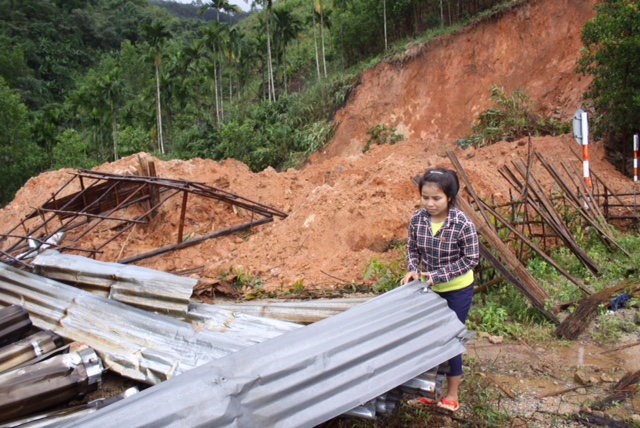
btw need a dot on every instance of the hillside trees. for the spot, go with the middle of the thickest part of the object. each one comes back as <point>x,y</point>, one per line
<point>611,55</point>
<point>156,33</point>
<point>19,156</point>
<point>108,78</point>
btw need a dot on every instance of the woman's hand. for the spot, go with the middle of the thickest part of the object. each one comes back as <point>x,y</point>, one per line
<point>415,276</point>
<point>426,277</point>
<point>410,276</point>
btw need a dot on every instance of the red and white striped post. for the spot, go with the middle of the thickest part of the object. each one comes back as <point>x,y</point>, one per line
<point>635,157</point>
<point>585,149</point>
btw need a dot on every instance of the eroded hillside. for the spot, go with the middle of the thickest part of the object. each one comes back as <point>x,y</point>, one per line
<point>346,207</point>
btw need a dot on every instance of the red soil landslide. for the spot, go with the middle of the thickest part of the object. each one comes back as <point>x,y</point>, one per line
<point>346,207</point>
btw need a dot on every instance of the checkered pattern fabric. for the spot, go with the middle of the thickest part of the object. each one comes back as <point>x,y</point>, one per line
<point>452,252</point>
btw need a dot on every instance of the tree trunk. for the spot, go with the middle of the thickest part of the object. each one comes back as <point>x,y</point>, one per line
<point>159,110</point>
<point>315,36</point>
<point>215,86</point>
<point>272,88</point>
<point>284,67</point>
<point>384,15</point>
<point>114,132</point>
<point>220,82</point>
<point>324,57</point>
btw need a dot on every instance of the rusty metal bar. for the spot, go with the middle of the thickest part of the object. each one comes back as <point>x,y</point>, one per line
<point>197,240</point>
<point>196,188</point>
<point>93,216</point>
<point>130,225</point>
<point>183,212</point>
<point>89,229</point>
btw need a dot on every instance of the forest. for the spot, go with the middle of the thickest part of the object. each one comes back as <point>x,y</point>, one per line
<point>83,82</point>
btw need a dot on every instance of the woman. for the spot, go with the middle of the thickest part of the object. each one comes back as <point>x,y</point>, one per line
<point>442,251</point>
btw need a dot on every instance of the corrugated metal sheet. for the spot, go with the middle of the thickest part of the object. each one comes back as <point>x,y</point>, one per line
<point>134,285</point>
<point>304,312</point>
<point>306,376</point>
<point>135,343</point>
<point>28,348</point>
<point>58,417</point>
<point>14,323</point>
<point>249,327</point>
<point>48,383</point>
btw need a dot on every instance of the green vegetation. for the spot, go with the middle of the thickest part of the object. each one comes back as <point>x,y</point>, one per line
<point>513,118</point>
<point>380,134</point>
<point>385,276</point>
<point>611,47</point>
<point>89,82</point>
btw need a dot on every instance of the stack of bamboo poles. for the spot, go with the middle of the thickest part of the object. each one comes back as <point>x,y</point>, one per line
<point>533,199</point>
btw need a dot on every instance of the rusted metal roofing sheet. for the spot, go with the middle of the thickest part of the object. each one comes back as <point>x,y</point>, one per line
<point>137,286</point>
<point>307,376</point>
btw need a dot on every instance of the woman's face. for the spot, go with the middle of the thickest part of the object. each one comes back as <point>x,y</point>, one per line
<point>435,201</point>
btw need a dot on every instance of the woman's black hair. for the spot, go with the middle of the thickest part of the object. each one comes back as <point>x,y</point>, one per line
<point>445,179</point>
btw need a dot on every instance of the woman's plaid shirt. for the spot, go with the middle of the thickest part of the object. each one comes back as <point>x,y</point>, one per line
<point>453,251</point>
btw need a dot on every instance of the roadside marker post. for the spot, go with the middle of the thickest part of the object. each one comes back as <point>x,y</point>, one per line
<point>635,174</point>
<point>635,157</point>
<point>581,134</point>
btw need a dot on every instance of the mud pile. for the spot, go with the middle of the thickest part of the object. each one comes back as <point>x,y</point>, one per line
<point>347,207</point>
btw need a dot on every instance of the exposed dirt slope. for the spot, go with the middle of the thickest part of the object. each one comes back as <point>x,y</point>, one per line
<point>346,207</point>
<point>433,94</point>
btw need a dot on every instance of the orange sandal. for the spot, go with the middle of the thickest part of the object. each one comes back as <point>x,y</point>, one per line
<point>449,405</point>
<point>422,402</point>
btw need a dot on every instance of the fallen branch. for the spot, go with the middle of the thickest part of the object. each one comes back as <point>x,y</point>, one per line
<point>553,394</point>
<point>626,387</point>
<point>629,345</point>
<point>502,387</point>
<point>598,421</point>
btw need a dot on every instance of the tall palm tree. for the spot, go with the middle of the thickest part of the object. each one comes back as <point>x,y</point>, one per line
<point>384,14</point>
<point>234,50</point>
<point>109,89</point>
<point>214,38</point>
<point>318,8</point>
<point>287,27</point>
<point>268,5</point>
<point>219,5</point>
<point>315,35</point>
<point>156,33</point>
<point>342,6</point>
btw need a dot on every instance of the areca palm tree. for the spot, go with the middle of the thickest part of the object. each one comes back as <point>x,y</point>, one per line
<point>234,50</point>
<point>214,35</point>
<point>219,5</point>
<point>384,14</point>
<point>109,88</point>
<point>315,36</point>
<point>287,28</point>
<point>268,5</point>
<point>317,9</point>
<point>157,33</point>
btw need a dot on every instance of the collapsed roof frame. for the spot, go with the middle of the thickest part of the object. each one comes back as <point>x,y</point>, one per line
<point>107,194</point>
